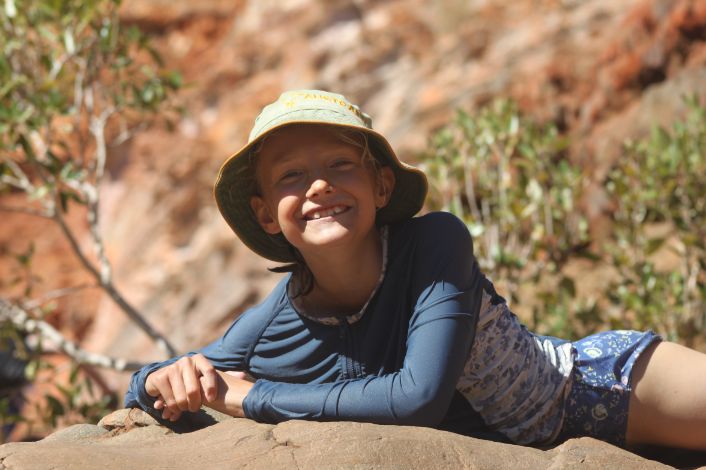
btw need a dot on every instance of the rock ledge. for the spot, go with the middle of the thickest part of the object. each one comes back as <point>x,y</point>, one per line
<point>131,439</point>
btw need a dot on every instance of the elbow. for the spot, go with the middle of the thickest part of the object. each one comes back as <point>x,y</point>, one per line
<point>424,407</point>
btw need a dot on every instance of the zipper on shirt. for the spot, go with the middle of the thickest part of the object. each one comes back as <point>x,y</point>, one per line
<point>351,368</point>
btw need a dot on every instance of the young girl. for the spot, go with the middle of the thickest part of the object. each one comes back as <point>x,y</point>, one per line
<point>386,318</point>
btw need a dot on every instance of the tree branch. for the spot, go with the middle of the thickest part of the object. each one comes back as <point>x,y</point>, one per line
<point>22,320</point>
<point>26,210</point>
<point>108,286</point>
<point>20,180</point>
<point>103,277</point>
<point>97,128</point>
<point>55,294</point>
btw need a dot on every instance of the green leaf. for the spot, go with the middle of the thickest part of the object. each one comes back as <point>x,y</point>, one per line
<point>653,245</point>
<point>66,196</point>
<point>25,258</point>
<point>174,79</point>
<point>10,9</point>
<point>69,42</point>
<point>55,407</point>
<point>89,387</point>
<point>31,370</point>
<point>73,376</point>
<point>68,394</point>
<point>39,192</point>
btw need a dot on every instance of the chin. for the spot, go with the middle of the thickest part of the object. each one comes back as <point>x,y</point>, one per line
<point>328,239</point>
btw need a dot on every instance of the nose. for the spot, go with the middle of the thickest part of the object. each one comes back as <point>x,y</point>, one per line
<point>319,186</point>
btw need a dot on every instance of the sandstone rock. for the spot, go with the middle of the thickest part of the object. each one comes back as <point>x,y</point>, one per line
<point>238,443</point>
<point>128,438</point>
<point>76,432</point>
<point>591,453</point>
<point>127,418</point>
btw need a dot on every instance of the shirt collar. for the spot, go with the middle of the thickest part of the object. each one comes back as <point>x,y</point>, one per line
<point>297,304</point>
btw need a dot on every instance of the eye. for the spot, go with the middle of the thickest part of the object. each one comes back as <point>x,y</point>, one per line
<point>343,163</point>
<point>290,175</point>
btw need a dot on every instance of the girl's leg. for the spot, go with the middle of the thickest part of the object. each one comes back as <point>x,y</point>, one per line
<point>668,398</point>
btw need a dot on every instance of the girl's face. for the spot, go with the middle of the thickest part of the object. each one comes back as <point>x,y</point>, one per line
<point>317,190</point>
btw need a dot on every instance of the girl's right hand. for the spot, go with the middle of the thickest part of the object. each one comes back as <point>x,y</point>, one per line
<point>184,385</point>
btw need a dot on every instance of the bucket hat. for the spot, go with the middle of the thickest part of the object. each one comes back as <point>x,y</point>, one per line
<point>234,185</point>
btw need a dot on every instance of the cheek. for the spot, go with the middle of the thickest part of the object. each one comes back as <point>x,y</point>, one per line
<point>287,205</point>
<point>362,182</point>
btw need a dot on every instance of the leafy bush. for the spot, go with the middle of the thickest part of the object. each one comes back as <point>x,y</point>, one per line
<point>659,243</point>
<point>507,177</point>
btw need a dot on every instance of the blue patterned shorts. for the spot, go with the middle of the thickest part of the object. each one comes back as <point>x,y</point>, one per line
<point>597,404</point>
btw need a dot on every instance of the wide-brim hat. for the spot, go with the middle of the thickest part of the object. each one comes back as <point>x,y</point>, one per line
<point>234,185</point>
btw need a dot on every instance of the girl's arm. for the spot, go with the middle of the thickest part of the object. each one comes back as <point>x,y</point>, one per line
<point>447,290</point>
<point>419,394</point>
<point>186,382</point>
<point>179,384</point>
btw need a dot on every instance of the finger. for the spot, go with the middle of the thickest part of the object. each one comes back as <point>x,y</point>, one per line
<point>210,395</point>
<point>150,386</point>
<point>192,388</point>
<point>165,393</point>
<point>209,378</point>
<point>158,404</point>
<point>176,383</point>
<point>170,415</point>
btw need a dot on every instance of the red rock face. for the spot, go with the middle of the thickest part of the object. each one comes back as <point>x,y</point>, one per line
<point>601,69</point>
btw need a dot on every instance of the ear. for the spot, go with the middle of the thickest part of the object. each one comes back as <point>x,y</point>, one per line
<point>264,216</point>
<point>385,186</point>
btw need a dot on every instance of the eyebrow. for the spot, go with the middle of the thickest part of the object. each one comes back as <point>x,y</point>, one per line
<point>284,157</point>
<point>281,160</point>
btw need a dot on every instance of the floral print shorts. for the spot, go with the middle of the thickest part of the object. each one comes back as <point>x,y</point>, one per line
<point>597,403</point>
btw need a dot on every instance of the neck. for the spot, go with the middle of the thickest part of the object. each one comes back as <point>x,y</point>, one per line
<point>344,279</point>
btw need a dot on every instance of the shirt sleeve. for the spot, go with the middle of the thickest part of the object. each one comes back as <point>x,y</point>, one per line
<point>230,352</point>
<point>446,290</point>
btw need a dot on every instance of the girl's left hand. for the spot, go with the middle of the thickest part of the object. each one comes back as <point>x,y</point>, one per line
<point>233,387</point>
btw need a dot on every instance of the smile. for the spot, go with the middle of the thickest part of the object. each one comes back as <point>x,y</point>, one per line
<point>324,212</point>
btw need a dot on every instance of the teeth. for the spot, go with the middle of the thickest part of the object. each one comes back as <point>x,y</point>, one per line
<point>328,212</point>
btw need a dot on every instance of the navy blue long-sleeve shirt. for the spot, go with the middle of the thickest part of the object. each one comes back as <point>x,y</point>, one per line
<point>397,364</point>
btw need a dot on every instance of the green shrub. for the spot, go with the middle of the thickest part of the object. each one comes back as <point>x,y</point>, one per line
<point>659,237</point>
<point>507,177</point>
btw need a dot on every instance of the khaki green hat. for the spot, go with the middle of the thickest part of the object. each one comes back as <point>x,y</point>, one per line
<point>234,187</point>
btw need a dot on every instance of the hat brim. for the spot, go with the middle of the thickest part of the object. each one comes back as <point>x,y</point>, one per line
<point>233,191</point>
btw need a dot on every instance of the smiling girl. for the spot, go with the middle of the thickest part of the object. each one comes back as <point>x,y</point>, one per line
<point>384,317</point>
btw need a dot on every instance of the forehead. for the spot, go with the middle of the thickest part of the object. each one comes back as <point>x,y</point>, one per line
<point>301,140</point>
